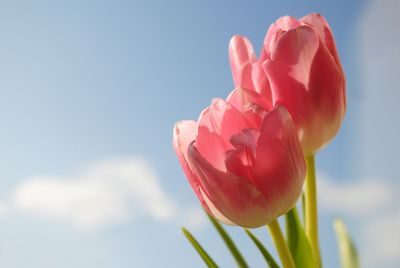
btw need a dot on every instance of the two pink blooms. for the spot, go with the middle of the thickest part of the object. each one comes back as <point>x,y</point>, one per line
<point>244,157</point>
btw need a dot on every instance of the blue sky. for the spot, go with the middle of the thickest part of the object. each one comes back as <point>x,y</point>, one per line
<point>90,91</point>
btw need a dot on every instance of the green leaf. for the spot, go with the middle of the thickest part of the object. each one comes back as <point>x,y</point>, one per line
<point>203,254</point>
<point>229,243</point>
<point>303,207</point>
<point>297,241</point>
<point>348,251</point>
<point>267,256</point>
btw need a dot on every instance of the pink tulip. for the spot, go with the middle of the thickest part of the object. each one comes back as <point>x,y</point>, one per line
<point>242,159</point>
<point>302,72</point>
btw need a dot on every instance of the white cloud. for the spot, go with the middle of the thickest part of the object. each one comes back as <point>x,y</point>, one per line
<point>376,204</point>
<point>360,198</point>
<point>108,192</point>
<point>194,217</point>
<point>378,47</point>
<point>3,209</point>
<point>381,238</point>
<point>373,204</point>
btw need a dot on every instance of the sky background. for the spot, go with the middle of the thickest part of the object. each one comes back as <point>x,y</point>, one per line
<point>90,91</point>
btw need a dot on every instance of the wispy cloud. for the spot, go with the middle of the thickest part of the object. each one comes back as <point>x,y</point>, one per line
<point>375,203</point>
<point>193,217</point>
<point>374,206</point>
<point>381,238</point>
<point>111,191</point>
<point>378,49</point>
<point>359,198</point>
<point>3,209</point>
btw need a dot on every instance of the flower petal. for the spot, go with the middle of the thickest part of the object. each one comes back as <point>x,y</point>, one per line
<point>279,165</point>
<point>184,135</point>
<point>217,125</point>
<point>287,23</point>
<point>240,160</point>
<point>321,26</point>
<point>281,25</point>
<point>241,56</point>
<point>246,69</point>
<point>234,197</point>
<point>305,78</point>
<point>270,38</point>
<point>297,47</point>
<point>289,92</point>
<point>209,141</point>
<point>242,98</point>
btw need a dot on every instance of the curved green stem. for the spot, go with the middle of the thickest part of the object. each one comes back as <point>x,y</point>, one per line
<point>311,220</point>
<point>280,244</point>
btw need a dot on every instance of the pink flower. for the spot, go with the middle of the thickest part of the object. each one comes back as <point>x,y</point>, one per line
<point>242,159</point>
<point>299,68</point>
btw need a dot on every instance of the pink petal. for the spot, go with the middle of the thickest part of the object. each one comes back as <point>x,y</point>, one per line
<point>216,126</point>
<point>289,71</point>
<point>279,165</point>
<point>184,135</point>
<point>260,80</point>
<point>252,105</point>
<point>241,55</point>
<point>209,141</point>
<point>213,211</point>
<point>327,93</point>
<point>296,46</point>
<point>270,39</point>
<point>240,160</point>
<point>235,98</point>
<point>282,25</point>
<point>287,23</point>
<point>241,99</point>
<point>235,198</point>
<point>327,85</point>
<point>246,69</point>
<point>241,51</point>
<point>305,78</point>
<point>324,31</point>
<point>288,91</point>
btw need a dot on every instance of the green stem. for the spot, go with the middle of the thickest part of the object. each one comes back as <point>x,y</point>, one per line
<point>311,220</point>
<point>280,244</point>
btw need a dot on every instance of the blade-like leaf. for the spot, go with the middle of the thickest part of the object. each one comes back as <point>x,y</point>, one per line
<point>267,256</point>
<point>229,243</point>
<point>348,251</point>
<point>203,254</point>
<point>303,207</point>
<point>297,241</point>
